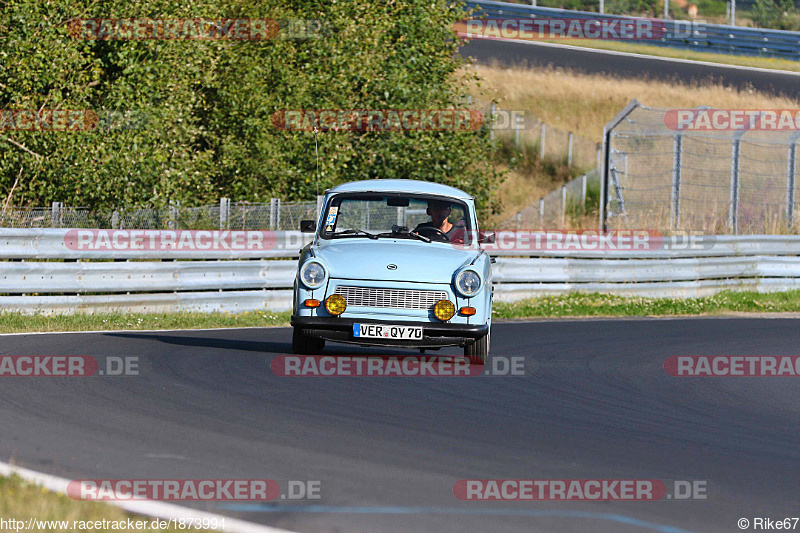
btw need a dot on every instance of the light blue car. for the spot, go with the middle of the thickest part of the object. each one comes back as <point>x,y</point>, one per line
<point>394,263</point>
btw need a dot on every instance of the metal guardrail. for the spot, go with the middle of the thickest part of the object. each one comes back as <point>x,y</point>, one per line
<point>697,36</point>
<point>180,280</point>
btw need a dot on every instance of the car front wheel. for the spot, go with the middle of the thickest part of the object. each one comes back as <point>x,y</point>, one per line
<point>478,351</point>
<point>302,344</point>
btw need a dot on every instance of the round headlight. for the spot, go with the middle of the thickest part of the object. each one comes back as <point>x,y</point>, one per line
<point>312,274</point>
<point>336,304</point>
<point>444,310</point>
<point>468,283</point>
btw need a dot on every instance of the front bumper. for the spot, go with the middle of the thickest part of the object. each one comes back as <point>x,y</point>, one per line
<point>434,334</point>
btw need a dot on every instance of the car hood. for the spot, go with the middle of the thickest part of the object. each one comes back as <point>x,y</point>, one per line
<point>362,258</point>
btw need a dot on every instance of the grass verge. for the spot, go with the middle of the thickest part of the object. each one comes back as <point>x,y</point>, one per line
<point>595,304</point>
<point>20,500</point>
<point>570,305</point>
<point>19,323</point>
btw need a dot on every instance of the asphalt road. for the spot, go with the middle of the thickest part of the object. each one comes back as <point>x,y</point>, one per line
<point>509,54</point>
<point>595,403</point>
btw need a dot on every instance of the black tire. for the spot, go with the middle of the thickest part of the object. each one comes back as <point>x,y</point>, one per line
<point>478,352</point>
<point>302,344</point>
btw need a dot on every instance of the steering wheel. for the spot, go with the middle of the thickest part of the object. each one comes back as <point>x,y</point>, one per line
<point>434,234</point>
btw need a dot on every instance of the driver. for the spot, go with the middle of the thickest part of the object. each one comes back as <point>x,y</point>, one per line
<point>439,212</point>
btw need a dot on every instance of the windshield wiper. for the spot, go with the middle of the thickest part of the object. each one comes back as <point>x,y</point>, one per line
<point>402,230</point>
<point>355,232</point>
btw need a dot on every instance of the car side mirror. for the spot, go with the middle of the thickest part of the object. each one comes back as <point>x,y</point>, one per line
<point>308,226</point>
<point>487,238</point>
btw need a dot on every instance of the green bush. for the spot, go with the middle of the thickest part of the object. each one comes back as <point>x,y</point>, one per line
<point>208,103</point>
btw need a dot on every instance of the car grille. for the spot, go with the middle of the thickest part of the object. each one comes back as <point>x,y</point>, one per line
<point>393,298</point>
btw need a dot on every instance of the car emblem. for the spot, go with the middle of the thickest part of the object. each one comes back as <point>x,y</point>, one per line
<point>391,267</point>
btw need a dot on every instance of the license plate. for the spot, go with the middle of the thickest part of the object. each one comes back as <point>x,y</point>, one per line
<point>387,331</point>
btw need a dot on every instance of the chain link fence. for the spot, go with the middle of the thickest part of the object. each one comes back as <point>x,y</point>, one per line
<point>667,170</point>
<point>274,215</point>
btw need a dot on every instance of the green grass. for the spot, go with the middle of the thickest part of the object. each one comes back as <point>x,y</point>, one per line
<point>19,323</point>
<point>581,305</point>
<point>21,500</point>
<point>571,305</point>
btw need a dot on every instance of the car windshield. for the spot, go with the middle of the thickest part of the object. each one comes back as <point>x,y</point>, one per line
<point>359,216</point>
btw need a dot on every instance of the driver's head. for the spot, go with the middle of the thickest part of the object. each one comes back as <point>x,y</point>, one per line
<point>438,211</point>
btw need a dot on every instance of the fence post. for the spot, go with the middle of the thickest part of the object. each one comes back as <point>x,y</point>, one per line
<point>791,174</point>
<point>55,215</point>
<point>516,130</point>
<point>272,202</point>
<point>569,149</point>
<point>541,211</point>
<point>602,7</point>
<point>583,193</point>
<point>319,204</point>
<point>278,214</point>
<point>675,205</point>
<point>115,220</point>
<point>563,205</point>
<point>542,141</point>
<point>733,211</point>
<point>172,215</point>
<point>224,212</point>
<point>491,125</point>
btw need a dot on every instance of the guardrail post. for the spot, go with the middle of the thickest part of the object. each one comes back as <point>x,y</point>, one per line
<point>224,213</point>
<point>602,7</point>
<point>675,205</point>
<point>791,174</point>
<point>272,202</point>
<point>569,149</point>
<point>733,211</point>
<point>55,215</point>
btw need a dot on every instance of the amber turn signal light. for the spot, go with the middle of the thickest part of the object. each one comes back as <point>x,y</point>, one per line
<point>311,303</point>
<point>467,311</point>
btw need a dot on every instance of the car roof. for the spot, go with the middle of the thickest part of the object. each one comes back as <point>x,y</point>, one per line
<point>395,185</point>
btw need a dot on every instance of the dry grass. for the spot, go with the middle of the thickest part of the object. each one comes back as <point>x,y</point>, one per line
<point>515,194</point>
<point>584,103</point>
